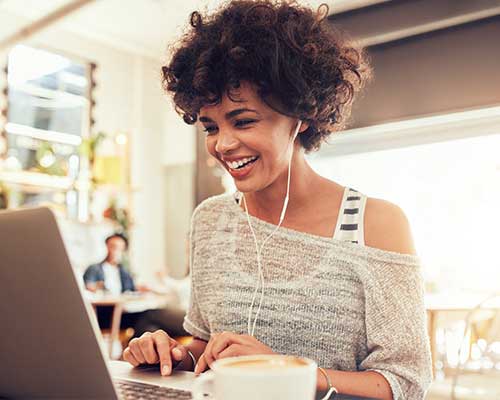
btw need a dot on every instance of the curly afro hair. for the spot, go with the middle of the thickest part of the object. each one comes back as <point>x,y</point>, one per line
<point>301,65</point>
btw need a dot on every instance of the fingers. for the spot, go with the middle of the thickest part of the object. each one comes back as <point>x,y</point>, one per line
<point>129,357</point>
<point>222,341</point>
<point>227,344</point>
<point>151,348</point>
<point>148,349</point>
<point>201,365</point>
<point>233,351</point>
<point>136,351</point>
<point>163,345</point>
<point>217,343</point>
<point>208,358</point>
<point>178,353</point>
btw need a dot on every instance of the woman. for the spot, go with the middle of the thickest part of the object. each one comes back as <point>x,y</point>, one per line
<point>294,263</point>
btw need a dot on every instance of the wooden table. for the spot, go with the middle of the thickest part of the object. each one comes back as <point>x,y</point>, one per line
<point>126,303</point>
<point>453,303</point>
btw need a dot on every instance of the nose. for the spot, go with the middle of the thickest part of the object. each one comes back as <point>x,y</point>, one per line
<point>226,142</point>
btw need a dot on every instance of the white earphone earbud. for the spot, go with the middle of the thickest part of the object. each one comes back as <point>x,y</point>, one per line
<point>299,124</point>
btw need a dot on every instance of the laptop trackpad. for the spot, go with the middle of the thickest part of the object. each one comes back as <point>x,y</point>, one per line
<point>151,374</point>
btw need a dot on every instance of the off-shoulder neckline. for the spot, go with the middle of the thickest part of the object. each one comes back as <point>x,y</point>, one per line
<point>352,248</point>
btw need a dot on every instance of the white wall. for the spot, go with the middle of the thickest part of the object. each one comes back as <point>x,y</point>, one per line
<point>179,144</point>
<point>129,98</point>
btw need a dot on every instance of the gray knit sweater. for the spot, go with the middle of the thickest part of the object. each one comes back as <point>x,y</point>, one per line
<point>347,306</point>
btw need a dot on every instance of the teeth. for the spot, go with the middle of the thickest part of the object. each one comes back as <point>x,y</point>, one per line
<point>239,163</point>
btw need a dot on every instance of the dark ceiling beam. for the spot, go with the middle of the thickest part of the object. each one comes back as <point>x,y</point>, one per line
<point>399,19</point>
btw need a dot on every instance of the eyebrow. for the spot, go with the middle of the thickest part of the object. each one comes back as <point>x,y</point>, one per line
<point>230,114</point>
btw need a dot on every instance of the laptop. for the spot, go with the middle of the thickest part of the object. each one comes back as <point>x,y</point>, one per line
<point>50,343</point>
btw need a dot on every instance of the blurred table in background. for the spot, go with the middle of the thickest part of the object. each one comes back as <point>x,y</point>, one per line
<point>460,304</point>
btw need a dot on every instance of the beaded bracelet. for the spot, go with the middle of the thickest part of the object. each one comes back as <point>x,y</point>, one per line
<point>331,388</point>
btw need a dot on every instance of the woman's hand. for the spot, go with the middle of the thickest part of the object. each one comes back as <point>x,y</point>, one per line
<point>156,347</point>
<point>227,344</point>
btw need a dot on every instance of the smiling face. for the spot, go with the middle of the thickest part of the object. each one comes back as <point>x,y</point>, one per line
<point>249,139</point>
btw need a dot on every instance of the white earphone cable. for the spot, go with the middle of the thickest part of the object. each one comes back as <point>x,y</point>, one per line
<point>251,327</point>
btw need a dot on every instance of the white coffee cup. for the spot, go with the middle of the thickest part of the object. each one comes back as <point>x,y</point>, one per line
<point>262,377</point>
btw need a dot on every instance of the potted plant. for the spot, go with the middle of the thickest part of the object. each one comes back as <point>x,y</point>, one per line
<point>118,215</point>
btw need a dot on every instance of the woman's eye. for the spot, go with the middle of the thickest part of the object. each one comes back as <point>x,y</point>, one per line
<point>244,122</point>
<point>210,129</point>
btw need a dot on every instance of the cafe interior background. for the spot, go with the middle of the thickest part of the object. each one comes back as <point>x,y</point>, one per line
<point>87,130</point>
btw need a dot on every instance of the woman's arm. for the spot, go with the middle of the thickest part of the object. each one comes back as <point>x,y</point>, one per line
<point>395,320</point>
<point>379,215</point>
<point>362,383</point>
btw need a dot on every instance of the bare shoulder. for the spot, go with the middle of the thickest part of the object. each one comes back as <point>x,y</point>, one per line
<point>386,227</point>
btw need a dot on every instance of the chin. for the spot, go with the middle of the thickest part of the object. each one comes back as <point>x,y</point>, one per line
<point>243,187</point>
<point>248,186</point>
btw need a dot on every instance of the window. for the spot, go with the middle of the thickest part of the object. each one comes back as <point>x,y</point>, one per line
<point>450,192</point>
<point>48,116</point>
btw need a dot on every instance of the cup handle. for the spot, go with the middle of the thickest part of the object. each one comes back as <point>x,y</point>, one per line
<point>204,384</point>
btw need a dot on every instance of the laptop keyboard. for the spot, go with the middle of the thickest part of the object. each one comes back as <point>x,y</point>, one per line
<point>138,391</point>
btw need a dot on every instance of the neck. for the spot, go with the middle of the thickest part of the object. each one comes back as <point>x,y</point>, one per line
<point>111,262</point>
<point>268,202</point>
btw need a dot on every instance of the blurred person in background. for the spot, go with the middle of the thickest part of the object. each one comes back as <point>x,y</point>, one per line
<point>110,275</point>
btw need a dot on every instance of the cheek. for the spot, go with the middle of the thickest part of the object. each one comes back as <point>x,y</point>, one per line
<point>210,146</point>
<point>273,153</point>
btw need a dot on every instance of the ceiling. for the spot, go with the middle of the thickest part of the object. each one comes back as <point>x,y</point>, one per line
<point>140,26</point>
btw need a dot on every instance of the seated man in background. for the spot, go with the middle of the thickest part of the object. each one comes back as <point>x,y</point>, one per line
<point>109,274</point>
